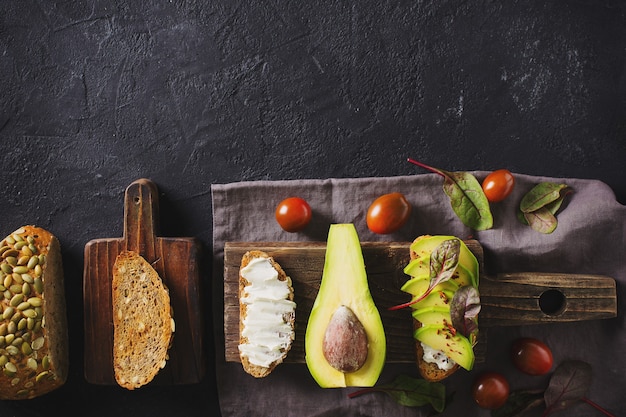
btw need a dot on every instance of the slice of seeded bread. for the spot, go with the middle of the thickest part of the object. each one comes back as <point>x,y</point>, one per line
<point>142,321</point>
<point>429,371</point>
<point>252,369</point>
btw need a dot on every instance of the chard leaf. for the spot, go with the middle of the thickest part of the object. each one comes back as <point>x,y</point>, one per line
<point>411,392</point>
<point>568,385</point>
<point>443,262</point>
<point>521,217</point>
<point>519,402</point>
<point>554,206</point>
<point>464,309</point>
<point>468,199</point>
<point>541,220</point>
<point>539,206</point>
<point>540,195</point>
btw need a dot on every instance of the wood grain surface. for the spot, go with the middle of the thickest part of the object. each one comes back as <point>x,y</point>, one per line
<point>507,299</point>
<point>177,260</point>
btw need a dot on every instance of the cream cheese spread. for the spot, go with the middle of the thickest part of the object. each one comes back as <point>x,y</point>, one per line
<point>266,326</point>
<point>437,357</point>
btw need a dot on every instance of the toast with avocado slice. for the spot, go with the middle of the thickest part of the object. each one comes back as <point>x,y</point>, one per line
<point>440,349</point>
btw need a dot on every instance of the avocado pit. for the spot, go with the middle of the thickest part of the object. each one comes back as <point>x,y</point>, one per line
<point>345,343</point>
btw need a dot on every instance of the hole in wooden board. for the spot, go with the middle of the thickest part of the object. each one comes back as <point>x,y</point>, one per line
<point>552,302</point>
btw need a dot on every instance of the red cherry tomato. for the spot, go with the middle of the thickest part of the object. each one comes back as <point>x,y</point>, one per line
<point>498,185</point>
<point>531,356</point>
<point>490,390</point>
<point>293,214</point>
<point>388,213</point>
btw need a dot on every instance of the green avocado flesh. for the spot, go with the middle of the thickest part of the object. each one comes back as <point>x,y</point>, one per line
<point>439,316</point>
<point>344,283</point>
<point>423,248</point>
<point>417,286</point>
<point>437,298</point>
<point>421,266</point>
<point>433,311</point>
<point>455,346</point>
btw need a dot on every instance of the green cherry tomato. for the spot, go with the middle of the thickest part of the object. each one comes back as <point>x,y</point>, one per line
<point>388,213</point>
<point>490,390</point>
<point>531,356</point>
<point>498,185</point>
<point>293,214</point>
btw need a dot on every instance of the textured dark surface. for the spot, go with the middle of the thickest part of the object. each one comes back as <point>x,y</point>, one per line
<point>94,95</point>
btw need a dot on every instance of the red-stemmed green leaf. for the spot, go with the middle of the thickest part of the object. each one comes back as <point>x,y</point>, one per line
<point>541,220</point>
<point>539,206</point>
<point>467,197</point>
<point>540,195</point>
<point>568,386</point>
<point>554,206</point>
<point>443,262</point>
<point>468,200</point>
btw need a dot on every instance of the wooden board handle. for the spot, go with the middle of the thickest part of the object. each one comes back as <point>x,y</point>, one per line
<point>141,215</point>
<point>533,298</point>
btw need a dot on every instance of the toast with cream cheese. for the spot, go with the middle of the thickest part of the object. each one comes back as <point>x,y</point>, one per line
<point>266,313</point>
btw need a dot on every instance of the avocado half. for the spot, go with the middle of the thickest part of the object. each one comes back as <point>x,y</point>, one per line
<point>344,283</point>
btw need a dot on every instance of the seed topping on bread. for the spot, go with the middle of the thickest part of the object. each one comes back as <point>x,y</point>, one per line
<point>142,321</point>
<point>33,324</point>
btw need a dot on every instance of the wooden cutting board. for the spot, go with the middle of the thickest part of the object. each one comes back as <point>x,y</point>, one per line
<point>177,260</point>
<point>506,299</point>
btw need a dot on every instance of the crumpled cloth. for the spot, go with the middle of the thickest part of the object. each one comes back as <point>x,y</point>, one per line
<point>589,239</point>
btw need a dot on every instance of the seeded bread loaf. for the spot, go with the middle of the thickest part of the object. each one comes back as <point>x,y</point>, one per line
<point>142,321</point>
<point>429,370</point>
<point>276,320</point>
<point>33,326</point>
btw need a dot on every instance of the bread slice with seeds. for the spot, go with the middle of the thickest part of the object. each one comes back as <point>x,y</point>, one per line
<point>142,321</point>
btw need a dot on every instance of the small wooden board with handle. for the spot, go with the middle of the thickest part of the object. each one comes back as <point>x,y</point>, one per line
<point>506,299</point>
<point>177,261</point>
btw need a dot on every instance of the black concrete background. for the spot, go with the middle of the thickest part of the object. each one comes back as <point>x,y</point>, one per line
<point>94,95</point>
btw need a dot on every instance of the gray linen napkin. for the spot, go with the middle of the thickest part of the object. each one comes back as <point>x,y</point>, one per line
<point>589,239</point>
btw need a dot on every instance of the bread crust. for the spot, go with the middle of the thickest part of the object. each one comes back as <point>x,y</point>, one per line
<point>252,369</point>
<point>142,320</point>
<point>429,371</point>
<point>34,356</point>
